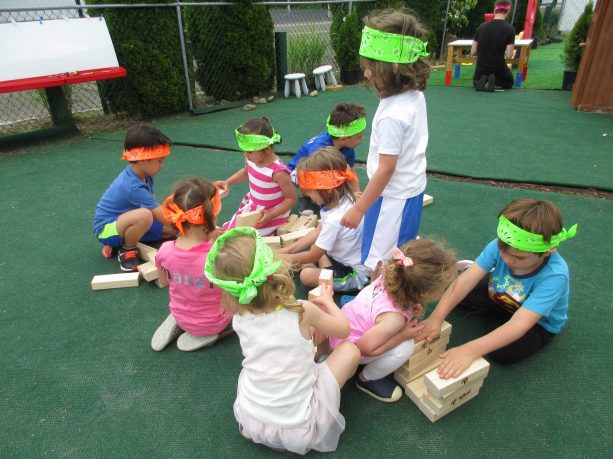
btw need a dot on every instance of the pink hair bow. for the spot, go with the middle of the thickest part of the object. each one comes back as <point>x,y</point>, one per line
<point>401,258</point>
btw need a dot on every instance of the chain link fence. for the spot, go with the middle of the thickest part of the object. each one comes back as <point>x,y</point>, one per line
<point>302,42</point>
<point>570,10</point>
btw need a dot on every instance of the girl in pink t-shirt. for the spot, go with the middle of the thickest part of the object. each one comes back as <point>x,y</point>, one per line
<point>196,316</point>
<point>383,315</point>
<point>270,188</point>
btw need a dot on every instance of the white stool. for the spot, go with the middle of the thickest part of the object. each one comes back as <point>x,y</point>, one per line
<point>322,75</point>
<point>298,79</point>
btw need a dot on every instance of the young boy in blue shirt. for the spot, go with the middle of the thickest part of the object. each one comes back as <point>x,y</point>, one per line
<point>520,281</point>
<point>128,211</point>
<point>345,131</point>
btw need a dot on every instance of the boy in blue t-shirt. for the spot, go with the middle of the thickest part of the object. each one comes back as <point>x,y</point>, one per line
<point>128,211</point>
<point>345,131</point>
<point>519,281</point>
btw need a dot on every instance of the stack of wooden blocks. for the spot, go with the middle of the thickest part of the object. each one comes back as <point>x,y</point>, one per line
<point>147,271</point>
<point>292,230</point>
<point>436,397</point>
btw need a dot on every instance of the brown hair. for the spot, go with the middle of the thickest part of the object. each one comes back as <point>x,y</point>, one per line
<point>536,216</point>
<point>388,78</point>
<point>433,269</point>
<point>343,114</point>
<point>193,192</point>
<point>257,126</point>
<point>144,135</point>
<point>327,159</point>
<point>502,3</point>
<point>234,261</point>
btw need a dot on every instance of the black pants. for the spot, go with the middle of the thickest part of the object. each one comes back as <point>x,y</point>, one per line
<point>494,316</point>
<point>504,77</point>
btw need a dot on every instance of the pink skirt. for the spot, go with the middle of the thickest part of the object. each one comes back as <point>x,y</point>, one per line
<point>322,430</point>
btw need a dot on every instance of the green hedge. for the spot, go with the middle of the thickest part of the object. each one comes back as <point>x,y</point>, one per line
<point>233,47</point>
<point>146,42</point>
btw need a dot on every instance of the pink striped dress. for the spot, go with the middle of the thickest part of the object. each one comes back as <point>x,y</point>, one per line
<point>264,193</point>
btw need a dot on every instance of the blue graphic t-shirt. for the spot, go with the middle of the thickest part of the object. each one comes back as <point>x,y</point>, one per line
<point>311,146</point>
<point>544,291</point>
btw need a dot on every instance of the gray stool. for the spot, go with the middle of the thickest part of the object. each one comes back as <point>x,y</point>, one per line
<point>322,75</point>
<point>298,79</point>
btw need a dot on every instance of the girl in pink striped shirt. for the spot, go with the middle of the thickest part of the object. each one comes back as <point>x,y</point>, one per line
<point>270,187</point>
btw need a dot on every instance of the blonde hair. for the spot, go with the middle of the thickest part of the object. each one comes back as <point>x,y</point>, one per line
<point>388,78</point>
<point>433,269</point>
<point>235,261</point>
<point>327,159</point>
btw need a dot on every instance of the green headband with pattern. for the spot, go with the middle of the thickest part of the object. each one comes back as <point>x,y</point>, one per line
<point>264,265</point>
<point>353,128</point>
<point>520,239</point>
<point>391,47</point>
<point>255,142</point>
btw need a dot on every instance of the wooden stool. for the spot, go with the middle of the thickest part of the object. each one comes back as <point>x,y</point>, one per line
<point>298,79</point>
<point>322,75</point>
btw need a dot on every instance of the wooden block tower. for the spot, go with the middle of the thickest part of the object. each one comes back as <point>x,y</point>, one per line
<point>435,397</point>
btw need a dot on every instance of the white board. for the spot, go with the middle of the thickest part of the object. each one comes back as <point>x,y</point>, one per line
<point>50,47</point>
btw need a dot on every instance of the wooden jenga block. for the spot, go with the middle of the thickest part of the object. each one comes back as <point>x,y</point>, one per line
<point>248,218</point>
<point>285,227</point>
<point>416,390</point>
<point>439,405</point>
<point>146,252</point>
<point>405,375</point>
<point>431,352</point>
<point>314,293</point>
<point>443,387</point>
<point>159,284</point>
<point>427,200</point>
<point>326,277</point>
<point>334,87</point>
<point>273,241</point>
<point>288,238</point>
<point>445,332</point>
<point>303,222</point>
<point>149,271</point>
<point>122,280</point>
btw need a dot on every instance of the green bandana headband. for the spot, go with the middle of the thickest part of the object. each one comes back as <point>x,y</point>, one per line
<point>255,142</point>
<point>391,47</point>
<point>263,266</point>
<point>521,239</point>
<point>353,128</point>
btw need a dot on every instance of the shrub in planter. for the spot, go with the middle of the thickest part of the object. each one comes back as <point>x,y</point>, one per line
<point>233,47</point>
<point>147,46</point>
<point>346,46</point>
<point>573,49</point>
<point>305,52</point>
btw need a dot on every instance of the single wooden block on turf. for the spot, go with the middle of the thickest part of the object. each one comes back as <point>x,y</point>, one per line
<point>442,387</point>
<point>248,218</point>
<point>122,280</point>
<point>149,271</point>
<point>427,200</point>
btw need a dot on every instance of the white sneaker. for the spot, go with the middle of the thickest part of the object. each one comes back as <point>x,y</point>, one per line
<point>187,342</point>
<point>165,334</point>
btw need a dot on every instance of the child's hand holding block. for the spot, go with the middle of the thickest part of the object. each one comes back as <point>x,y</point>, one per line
<point>314,293</point>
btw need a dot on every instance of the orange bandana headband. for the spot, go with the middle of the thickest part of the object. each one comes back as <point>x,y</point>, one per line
<point>324,180</point>
<point>145,153</point>
<point>174,214</point>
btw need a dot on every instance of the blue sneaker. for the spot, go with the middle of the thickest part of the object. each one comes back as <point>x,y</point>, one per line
<point>382,389</point>
<point>346,299</point>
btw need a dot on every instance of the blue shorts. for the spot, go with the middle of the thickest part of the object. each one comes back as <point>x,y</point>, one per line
<point>389,223</point>
<point>109,235</point>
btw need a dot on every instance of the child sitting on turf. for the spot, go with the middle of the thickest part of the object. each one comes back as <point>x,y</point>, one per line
<point>196,316</point>
<point>270,188</point>
<point>325,178</point>
<point>345,131</point>
<point>383,315</point>
<point>519,281</point>
<point>128,211</point>
<point>284,399</point>
<point>393,56</point>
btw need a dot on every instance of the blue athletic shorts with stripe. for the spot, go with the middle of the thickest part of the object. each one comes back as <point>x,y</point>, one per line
<point>347,279</point>
<point>109,235</point>
<point>389,223</point>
